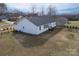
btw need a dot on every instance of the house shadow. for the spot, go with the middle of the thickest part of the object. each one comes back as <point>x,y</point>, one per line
<point>29,41</point>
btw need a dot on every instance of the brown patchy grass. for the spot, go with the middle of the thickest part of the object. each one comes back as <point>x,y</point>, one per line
<point>73,23</point>
<point>52,43</point>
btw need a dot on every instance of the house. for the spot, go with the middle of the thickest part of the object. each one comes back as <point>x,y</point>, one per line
<point>61,21</point>
<point>35,24</point>
<point>3,18</point>
<point>13,16</point>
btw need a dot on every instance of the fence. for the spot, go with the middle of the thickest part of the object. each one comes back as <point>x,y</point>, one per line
<point>9,29</point>
<point>71,27</point>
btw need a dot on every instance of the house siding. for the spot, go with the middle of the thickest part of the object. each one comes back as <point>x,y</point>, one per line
<point>61,21</point>
<point>26,26</point>
<point>53,24</point>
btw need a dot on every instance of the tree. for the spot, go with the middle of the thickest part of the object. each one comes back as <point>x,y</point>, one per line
<point>3,8</point>
<point>51,10</point>
<point>33,9</point>
<point>42,10</point>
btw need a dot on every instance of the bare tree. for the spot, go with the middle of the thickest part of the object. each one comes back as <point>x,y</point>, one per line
<point>33,9</point>
<point>42,10</point>
<point>51,11</point>
<point>3,8</point>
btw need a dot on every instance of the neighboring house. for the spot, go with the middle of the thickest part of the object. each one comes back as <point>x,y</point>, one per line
<point>35,24</point>
<point>13,16</point>
<point>61,21</point>
<point>9,22</point>
<point>3,18</point>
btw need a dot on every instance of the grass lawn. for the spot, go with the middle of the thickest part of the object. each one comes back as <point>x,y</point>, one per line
<point>48,43</point>
<point>5,25</point>
<point>73,23</point>
<point>1,23</point>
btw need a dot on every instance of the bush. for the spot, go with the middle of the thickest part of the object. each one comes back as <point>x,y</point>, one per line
<point>70,36</point>
<point>73,27</point>
<point>67,27</point>
<point>70,27</point>
<point>76,27</point>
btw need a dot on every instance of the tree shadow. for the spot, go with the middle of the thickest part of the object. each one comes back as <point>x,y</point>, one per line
<point>35,41</point>
<point>28,41</point>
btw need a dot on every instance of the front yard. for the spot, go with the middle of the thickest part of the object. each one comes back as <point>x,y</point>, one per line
<point>57,42</point>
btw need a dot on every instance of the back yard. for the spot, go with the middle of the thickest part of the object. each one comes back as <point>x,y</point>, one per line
<point>57,42</point>
<point>73,23</point>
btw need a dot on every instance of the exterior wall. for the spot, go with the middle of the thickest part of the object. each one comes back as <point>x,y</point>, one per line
<point>53,24</point>
<point>31,28</point>
<point>28,27</point>
<point>61,21</point>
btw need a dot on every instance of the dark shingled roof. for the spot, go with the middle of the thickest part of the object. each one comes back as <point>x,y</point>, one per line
<point>3,17</point>
<point>40,20</point>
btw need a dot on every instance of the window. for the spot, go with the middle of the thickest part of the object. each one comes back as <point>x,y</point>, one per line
<point>46,26</point>
<point>49,24</point>
<point>39,27</point>
<point>23,27</point>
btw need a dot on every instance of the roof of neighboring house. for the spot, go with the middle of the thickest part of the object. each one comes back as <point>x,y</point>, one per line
<point>40,20</point>
<point>61,18</point>
<point>3,17</point>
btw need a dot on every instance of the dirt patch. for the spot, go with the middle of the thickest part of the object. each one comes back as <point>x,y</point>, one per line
<point>53,43</point>
<point>29,41</point>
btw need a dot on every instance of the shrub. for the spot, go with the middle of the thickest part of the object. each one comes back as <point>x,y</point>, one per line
<point>70,36</point>
<point>76,27</point>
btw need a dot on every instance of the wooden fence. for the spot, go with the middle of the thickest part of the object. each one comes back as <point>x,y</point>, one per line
<point>9,29</point>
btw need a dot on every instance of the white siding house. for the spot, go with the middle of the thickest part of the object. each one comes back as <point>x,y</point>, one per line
<point>34,25</point>
<point>61,21</point>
